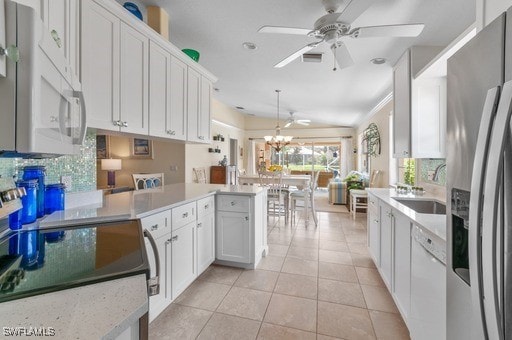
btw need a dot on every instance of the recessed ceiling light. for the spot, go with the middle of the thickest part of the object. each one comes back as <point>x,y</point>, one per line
<point>249,45</point>
<point>240,107</point>
<point>378,61</point>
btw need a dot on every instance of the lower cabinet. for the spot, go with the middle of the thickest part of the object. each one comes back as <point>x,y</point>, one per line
<point>184,266</point>
<point>234,236</point>
<point>205,242</point>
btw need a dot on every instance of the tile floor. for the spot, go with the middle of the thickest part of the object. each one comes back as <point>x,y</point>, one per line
<point>316,283</point>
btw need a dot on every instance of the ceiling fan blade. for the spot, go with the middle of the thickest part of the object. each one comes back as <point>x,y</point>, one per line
<point>303,122</point>
<point>284,30</point>
<point>295,55</point>
<point>288,123</point>
<point>354,9</point>
<point>406,30</point>
<point>342,55</point>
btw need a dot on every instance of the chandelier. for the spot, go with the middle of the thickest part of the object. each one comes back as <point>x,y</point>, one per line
<point>277,141</point>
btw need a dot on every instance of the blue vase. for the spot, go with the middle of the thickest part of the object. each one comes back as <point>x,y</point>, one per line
<point>132,8</point>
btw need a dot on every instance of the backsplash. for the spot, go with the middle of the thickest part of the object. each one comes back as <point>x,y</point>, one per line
<point>427,169</point>
<point>81,167</point>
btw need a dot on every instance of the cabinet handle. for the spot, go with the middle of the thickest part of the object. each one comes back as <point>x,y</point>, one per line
<point>232,203</point>
<point>55,37</point>
<point>372,202</point>
<point>154,227</point>
<point>247,218</point>
<point>406,152</point>
<point>206,206</point>
<point>174,238</point>
<point>11,52</point>
<point>185,215</point>
<point>54,119</point>
<point>171,132</point>
<point>125,124</point>
<point>116,123</point>
<point>376,221</point>
<point>200,137</point>
<point>199,225</point>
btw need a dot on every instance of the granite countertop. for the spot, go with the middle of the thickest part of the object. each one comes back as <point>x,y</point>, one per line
<point>142,203</point>
<point>99,311</point>
<point>432,223</point>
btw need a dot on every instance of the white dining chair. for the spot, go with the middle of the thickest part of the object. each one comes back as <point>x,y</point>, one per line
<point>277,193</point>
<point>359,197</point>
<point>148,181</point>
<point>200,175</point>
<point>300,200</point>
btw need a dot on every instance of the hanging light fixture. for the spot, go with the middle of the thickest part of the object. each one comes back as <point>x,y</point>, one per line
<point>277,141</point>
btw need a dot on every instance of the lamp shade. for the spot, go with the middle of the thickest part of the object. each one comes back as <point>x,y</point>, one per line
<point>111,164</point>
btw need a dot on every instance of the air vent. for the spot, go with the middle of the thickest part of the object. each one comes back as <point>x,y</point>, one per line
<point>312,58</point>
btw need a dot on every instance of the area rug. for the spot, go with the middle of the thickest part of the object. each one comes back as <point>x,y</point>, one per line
<point>322,204</point>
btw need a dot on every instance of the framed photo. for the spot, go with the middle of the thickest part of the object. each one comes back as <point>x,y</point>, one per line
<point>102,147</point>
<point>141,148</point>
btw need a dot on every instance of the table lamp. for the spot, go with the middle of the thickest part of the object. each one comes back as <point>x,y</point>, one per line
<point>111,165</point>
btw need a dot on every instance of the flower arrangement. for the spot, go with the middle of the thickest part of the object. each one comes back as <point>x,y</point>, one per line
<point>275,167</point>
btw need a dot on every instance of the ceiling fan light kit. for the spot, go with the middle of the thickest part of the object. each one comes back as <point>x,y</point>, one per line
<point>335,26</point>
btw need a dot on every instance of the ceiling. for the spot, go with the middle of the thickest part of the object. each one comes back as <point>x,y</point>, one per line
<point>217,28</point>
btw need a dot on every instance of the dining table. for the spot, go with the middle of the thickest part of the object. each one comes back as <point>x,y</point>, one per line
<point>299,181</point>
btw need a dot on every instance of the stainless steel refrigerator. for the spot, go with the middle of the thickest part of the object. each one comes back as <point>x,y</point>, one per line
<point>479,186</point>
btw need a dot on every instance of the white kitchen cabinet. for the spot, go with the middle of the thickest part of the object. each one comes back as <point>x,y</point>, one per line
<point>177,121</point>
<point>134,66</point>
<point>386,244</point>
<point>205,242</point>
<point>100,65</point>
<point>241,229</point>
<point>402,262</point>
<point>234,236</point>
<point>184,264</point>
<point>198,107</point>
<point>63,17</point>
<point>374,228</point>
<point>418,110</point>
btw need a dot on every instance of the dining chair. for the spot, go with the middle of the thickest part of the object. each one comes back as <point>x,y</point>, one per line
<point>200,175</point>
<point>359,197</point>
<point>148,181</point>
<point>277,193</point>
<point>301,199</point>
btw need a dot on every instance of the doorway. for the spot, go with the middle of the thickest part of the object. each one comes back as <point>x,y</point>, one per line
<point>233,152</point>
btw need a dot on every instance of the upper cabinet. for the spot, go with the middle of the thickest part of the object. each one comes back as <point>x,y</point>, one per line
<point>136,82</point>
<point>419,113</point>
<point>62,18</point>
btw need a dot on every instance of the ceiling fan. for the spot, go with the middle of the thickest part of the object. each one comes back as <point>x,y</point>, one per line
<point>292,120</point>
<point>333,27</point>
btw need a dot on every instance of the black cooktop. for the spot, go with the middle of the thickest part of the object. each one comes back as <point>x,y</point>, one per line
<point>40,261</point>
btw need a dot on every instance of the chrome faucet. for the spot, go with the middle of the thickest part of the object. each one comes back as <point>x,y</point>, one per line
<point>435,178</point>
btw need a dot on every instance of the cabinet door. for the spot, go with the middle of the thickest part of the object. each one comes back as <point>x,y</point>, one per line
<point>205,110</point>
<point>100,66</point>
<point>233,237</point>
<point>402,107</point>
<point>428,121</point>
<point>205,242</point>
<point>159,90</point>
<point>157,303</point>
<point>402,262</point>
<point>134,80</point>
<point>386,244</point>
<point>374,235</point>
<point>184,269</point>
<point>177,123</point>
<point>193,105</point>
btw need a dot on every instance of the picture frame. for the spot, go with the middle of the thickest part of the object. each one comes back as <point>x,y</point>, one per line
<point>102,146</point>
<point>141,148</point>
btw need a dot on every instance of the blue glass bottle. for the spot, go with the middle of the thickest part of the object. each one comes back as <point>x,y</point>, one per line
<point>54,199</point>
<point>29,201</point>
<point>37,172</point>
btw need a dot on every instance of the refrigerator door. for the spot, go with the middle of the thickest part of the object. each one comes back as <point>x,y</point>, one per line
<point>472,71</point>
<point>491,219</point>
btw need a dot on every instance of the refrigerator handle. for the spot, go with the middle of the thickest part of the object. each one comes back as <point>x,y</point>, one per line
<point>490,219</point>
<point>476,200</point>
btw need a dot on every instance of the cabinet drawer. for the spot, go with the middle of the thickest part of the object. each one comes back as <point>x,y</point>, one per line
<point>205,206</point>
<point>157,224</point>
<point>183,215</point>
<point>233,203</point>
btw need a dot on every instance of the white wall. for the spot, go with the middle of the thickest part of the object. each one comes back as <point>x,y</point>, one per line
<point>488,10</point>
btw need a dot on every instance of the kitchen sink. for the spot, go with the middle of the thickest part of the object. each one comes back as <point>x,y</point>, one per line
<point>424,206</point>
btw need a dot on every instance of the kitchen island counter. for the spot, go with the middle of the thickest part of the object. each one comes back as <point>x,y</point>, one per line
<point>96,311</point>
<point>142,203</point>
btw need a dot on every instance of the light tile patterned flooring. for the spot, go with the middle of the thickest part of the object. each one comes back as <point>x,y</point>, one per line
<point>316,283</point>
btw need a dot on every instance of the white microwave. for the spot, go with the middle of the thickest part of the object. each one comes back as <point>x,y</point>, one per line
<point>42,107</point>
